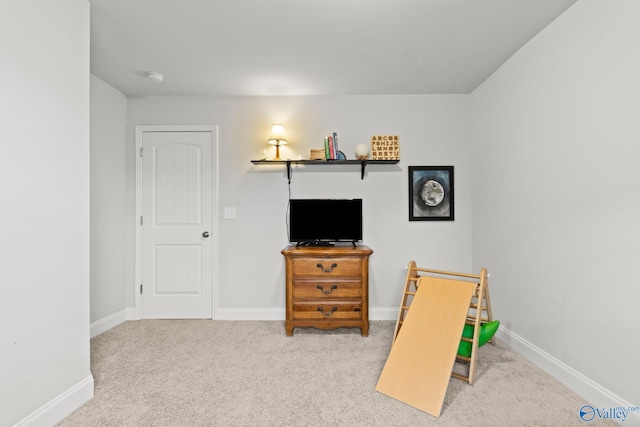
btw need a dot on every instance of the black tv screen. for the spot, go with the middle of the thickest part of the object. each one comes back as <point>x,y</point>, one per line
<point>325,220</point>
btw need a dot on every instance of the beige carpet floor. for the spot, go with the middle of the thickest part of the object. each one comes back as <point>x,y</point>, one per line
<point>248,373</point>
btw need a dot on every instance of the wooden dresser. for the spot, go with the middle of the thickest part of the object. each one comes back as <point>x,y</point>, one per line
<point>327,287</point>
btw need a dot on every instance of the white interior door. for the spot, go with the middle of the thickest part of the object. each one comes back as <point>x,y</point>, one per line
<point>177,249</point>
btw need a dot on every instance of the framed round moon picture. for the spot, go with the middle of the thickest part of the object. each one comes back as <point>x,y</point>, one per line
<point>431,193</point>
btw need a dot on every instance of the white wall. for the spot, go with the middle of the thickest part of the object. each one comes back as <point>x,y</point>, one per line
<point>555,194</point>
<point>44,181</point>
<point>432,130</point>
<point>108,200</point>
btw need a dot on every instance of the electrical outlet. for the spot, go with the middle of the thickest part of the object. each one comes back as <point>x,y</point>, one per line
<point>230,213</point>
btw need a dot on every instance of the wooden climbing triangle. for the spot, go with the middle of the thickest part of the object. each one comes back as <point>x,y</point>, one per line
<point>436,305</point>
<point>479,311</point>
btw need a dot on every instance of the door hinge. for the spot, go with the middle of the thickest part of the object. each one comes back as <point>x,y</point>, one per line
<point>140,288</point>
<point>141,151</point>
<point>140,219</point>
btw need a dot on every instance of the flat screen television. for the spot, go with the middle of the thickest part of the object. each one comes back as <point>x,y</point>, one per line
<point>324,221</point>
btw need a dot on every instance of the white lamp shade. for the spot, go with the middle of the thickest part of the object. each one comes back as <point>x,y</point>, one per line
<point>277,135</point>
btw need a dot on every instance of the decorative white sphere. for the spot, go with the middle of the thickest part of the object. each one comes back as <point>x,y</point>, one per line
<point>362,152</point>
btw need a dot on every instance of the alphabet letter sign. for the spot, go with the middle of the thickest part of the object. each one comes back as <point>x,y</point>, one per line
<point>385,147</point>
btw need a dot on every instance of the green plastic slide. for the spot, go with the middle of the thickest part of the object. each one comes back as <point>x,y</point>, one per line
<point>487,331</point>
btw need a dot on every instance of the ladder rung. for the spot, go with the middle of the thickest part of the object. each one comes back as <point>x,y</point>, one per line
<point>446,273</point>
<point>465,358</point>
<point>410,293</point>
<point>465,339</point>
<point>482,319</point>
<point>460,377</point>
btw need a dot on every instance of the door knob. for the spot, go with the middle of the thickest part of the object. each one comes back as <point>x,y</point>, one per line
<point>205,234</point>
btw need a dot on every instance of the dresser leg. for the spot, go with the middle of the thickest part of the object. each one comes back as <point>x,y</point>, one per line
<point>365,330</point>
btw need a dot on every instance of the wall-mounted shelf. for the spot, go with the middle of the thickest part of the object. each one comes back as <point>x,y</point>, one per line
<point>363,163</point>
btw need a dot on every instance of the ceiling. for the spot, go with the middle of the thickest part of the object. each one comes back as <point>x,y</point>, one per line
<point>309,47</point>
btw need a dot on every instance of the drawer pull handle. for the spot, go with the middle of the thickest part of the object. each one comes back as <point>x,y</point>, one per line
<point>327,313</point>
<point>327,291</point>
<point>327,270</point>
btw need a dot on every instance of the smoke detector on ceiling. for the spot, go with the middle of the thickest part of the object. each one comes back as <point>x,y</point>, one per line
<point>155,77</point>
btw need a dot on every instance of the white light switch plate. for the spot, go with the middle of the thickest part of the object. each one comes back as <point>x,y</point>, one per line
<point>230,213</point>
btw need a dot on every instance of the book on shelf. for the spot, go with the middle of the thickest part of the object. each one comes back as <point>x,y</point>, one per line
<point>332,148</point>
<point>327,152</point>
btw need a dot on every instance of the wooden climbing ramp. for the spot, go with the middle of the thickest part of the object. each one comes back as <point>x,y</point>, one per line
<point>434,309</point>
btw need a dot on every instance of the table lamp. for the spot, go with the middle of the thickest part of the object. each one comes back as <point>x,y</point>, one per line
<point>277,139</point>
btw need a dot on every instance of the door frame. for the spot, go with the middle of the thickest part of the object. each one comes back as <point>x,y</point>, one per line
<point>140,130</point>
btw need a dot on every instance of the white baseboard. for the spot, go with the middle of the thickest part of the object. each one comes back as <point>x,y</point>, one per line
<point>111,321</point>
<point>381,313</point>
<point>58,408</point>
<point>593,393</point>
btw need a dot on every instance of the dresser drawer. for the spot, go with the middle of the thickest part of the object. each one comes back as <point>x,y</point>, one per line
<point>327,289</point>
<point>326,311</point>
<point>327,266</point>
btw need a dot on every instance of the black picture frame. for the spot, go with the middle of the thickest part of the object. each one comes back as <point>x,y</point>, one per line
<point>431,193</point>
